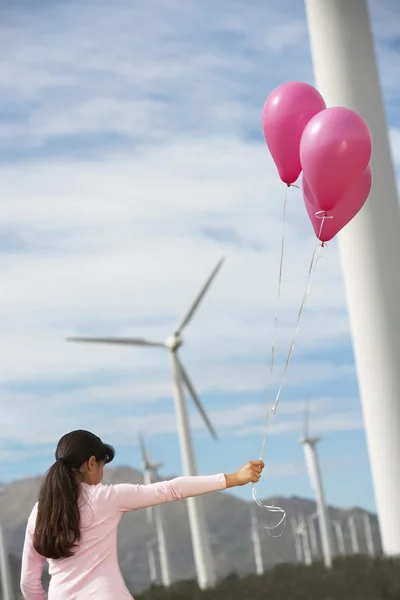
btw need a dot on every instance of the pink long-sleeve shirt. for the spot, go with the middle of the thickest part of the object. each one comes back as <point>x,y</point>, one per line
<point>93,570</point>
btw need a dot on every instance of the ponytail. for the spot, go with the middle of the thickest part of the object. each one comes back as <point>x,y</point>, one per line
<point>57,529</point>
<point>58,519</point>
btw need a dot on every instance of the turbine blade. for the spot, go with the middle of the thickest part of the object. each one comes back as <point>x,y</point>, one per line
<point>189,315</point>
<point>157,466</point>
<point>119,341</point>
<point>145,457</point>
<point>195,397</point>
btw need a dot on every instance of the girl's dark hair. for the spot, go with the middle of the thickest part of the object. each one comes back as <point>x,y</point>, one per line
<point>57,527</point>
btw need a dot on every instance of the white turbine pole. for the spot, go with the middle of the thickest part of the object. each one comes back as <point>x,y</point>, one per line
<point>368,535</point>
<point>313,533</point>
<point>166,579</point>
<point>201,543</point>
<point>205,568</point>
<point>303,531</point>
<point>297,540</point>
<point>150,475</point>
<point>146,481</point>
<point>6,584</point>
<point>355,547</point>
<point>255,536</point>
<point>314,473</point>
<point>311,456</point>
<point>151,556</point>
<point>340,538</point>
<point>150,545</point>
<point>346,74</point>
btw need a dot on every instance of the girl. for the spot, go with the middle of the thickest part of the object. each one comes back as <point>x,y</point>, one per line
<point>74,523</point>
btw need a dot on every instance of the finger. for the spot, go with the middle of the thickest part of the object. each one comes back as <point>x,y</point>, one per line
<point>257,463</point>
<point>256,469</point>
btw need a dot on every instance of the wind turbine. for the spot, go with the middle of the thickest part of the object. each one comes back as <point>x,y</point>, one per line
<point>311,457</point>
<point>255,536</point>
<point>339,537</point>
<point>355,547</point>
<point>313,533</point>
<point>5,571</point>
<point>151,557</point>
<point>346,73</point>
<point>368,535</point>
<point>303,533</point>
<point>6,584</point>
<point>297,540</point>
<point>206,575</point>
<point>151,474</point>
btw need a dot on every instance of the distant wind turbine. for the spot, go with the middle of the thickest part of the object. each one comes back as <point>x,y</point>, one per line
<point>255,536</point>
<point>297,540</point>
<point>6,584</point>
<point>151,557</point>
<point>313,533</point>
<point>311,457</point>
<point>206,574</point>
<point>339,537</point>
<point>5,571</point>
<point>368,535</point>
<point>303,532</point>
<point>355,546</point>
<point>151,475</point>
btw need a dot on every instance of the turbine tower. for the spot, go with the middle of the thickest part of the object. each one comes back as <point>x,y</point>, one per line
<point>205,569</point>
<point>151,475</point>
<point>339,538</point>
<point>314,473</point>
<point>313,533</point>
<point>255,536</point>
<point>303,534</point>
<point>6,585</point>
<point>346,74</point>
<point>369,540</point>
<point>297,540</point>
<point>151,557</point>
<point>355,547</point>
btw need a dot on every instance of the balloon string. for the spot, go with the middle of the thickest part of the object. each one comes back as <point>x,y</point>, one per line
<point>270,414</point>
<point>272,508</point>
<point>278,295</point>
<point>311,272</point>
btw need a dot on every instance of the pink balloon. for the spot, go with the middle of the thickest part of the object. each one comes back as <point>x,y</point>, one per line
<point>286,112</point>
<point>337,218</point>
<point>335,150</point>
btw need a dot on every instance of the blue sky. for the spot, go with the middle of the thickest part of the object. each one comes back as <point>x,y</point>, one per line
<point>131,160</point>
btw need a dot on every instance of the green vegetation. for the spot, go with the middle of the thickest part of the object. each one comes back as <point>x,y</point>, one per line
<point>352,578</point>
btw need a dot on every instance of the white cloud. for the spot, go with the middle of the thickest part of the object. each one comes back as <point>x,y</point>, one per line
<point>129,72</point>
<point>100,256</point>
<point>118,415</point>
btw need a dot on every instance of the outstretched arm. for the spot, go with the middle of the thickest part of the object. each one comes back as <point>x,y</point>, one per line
<point>32,564</point>
<point>132,497</point>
